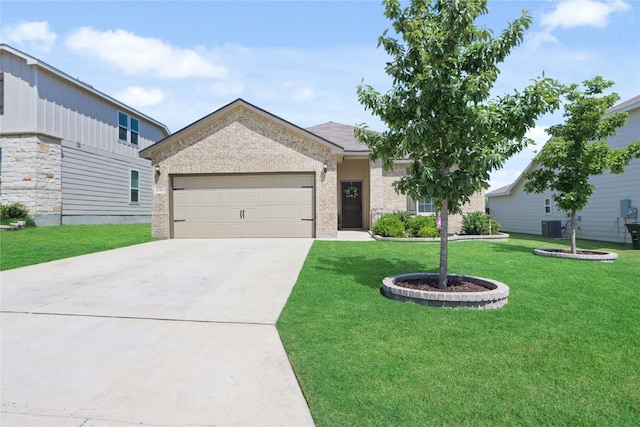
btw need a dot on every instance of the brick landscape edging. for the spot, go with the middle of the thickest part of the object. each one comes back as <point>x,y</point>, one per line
<point>599,257</point>
<point>495,297</point>
<point>453,238</point>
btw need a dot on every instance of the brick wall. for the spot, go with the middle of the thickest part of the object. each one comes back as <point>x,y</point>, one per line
<point>384,195</point>
<point>241,141</point>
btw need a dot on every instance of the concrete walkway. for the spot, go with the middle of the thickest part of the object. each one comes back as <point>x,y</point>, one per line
<point>167,333</point>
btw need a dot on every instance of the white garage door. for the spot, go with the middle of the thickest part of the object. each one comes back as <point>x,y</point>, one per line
<point>243,206</point>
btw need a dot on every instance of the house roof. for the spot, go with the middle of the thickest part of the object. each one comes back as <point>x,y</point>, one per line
<point>77,82</point>
<point>628,105</point>
<point>238,103</point>
<point>340,134</point>
<point>631,104</point>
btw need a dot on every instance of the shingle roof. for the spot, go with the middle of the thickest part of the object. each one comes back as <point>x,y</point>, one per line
<point>341,135</point>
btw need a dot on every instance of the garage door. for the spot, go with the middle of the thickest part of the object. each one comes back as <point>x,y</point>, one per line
<point>243,206</point>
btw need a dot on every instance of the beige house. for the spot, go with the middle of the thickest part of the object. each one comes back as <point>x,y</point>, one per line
<point>243,172</point>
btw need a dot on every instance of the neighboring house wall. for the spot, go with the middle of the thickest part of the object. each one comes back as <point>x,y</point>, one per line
<point>97,187</point>
<point>523,213</point>
<point>601,219</point>
<point>240,141</point>
<point>92,169</point>
<point>31,175</point>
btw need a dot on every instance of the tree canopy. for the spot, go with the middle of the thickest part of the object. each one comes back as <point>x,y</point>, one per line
<point>438,111</point>
<point>578,149</point>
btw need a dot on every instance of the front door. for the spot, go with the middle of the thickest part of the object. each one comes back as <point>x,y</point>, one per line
<point>351,204</point>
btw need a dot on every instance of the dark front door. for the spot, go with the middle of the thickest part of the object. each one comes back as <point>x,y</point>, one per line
<point>351,204</point>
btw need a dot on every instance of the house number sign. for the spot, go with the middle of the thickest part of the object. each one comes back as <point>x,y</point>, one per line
<point>159,190</point>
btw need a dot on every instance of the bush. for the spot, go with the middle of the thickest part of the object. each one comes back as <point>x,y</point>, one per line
<point>13,211</point>
<point>389,225</point>
<point>479,223</point>
<point>405,217</point>
<point>423,226</point>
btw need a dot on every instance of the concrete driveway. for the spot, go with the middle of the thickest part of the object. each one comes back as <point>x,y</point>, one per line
<point>167,333</point>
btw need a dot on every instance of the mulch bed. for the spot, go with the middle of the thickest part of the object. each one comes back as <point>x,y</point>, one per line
<point>431,284</point>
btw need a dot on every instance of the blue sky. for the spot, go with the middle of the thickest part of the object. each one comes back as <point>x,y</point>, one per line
<point>178,61</point>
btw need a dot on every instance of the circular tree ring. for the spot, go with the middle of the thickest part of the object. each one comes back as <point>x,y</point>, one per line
<point>495,296</point>
<point>584,255</point>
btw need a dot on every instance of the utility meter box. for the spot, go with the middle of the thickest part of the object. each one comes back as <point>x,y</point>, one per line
<point>625,208</point>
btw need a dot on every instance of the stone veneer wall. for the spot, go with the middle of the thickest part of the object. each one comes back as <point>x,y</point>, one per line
<point>243,142</point>
<point>384,196</point>
<point>31,175</point>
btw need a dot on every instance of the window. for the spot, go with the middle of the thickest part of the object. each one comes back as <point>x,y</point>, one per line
<point>426,205</point>
<point>128,128</point>
<point>134,186</point>
<point>547,205</point>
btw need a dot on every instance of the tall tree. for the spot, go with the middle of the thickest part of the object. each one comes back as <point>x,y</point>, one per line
<point>438,111</point>
<point>578,149</point>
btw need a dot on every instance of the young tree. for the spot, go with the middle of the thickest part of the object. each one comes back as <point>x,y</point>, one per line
<point>578,149</point>
<point>438,111</point>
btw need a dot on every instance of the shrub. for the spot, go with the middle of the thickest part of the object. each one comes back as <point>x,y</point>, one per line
<point>405,217</point>
<point>422,226</point>
<point>13,211</point>
<point>479,223</point>
<point>389,225</point>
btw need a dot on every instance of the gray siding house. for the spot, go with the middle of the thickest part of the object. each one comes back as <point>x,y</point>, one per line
<point>69,152</point>
<point>609,209</point>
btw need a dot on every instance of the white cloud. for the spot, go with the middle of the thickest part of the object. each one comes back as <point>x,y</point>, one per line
<point>34,35</point>
<point>137,55</point>
<point>139,97</point>
<point>541,37</point>
<point>576,13</point>
<point>303,94</point>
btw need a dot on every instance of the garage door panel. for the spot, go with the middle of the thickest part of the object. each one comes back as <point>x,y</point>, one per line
<point>243,206</point>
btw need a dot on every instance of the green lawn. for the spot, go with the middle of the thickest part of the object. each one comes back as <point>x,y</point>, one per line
<point>33,245</point>
<point>564,351</point>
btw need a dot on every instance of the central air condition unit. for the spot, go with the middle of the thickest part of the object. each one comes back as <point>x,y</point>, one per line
<point>552,229</point>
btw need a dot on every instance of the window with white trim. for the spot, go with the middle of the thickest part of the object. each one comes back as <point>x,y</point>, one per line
<point>426,206</point>
<point>134,186</point>
<point>128,128</point>
<point>547,205</point>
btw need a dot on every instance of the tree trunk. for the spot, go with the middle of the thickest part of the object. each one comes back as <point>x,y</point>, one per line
<point>573,232</point>
<point>444,245</point>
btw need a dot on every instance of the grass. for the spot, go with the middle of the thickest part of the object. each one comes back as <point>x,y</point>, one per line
<point>34,245</point>
<point>564,351</point>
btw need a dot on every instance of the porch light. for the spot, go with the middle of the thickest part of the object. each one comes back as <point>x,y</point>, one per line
<point>157,169</point>
<point>325,166</point>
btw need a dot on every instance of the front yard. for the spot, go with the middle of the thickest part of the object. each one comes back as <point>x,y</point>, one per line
<point>33,245</point>
<point>565,350</point>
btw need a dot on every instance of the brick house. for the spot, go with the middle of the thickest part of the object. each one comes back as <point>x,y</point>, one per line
<point>244,172</point>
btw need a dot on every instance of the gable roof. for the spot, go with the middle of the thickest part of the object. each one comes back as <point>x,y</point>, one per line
<point>32,61</point>
<point>238,103</point>
<point>340,134</point>
<point>629,105</point>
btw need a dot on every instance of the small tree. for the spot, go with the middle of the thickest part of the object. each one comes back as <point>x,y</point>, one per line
<point>438,111</point>
<point>578,149</point>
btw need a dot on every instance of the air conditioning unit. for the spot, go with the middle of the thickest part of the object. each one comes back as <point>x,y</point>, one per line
<point>552,229</point>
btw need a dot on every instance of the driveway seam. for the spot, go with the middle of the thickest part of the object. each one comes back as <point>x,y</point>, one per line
<point>160,319</point>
